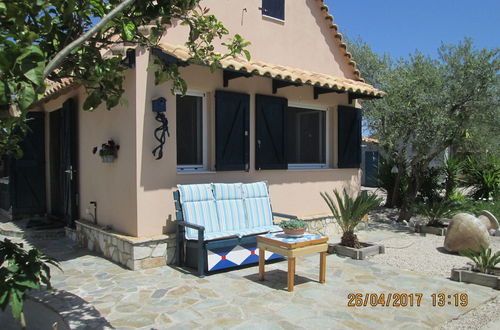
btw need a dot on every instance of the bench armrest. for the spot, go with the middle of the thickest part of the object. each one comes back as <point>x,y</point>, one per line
<point>191,225</point>
<point>199,228</point>
<point>283,215</point>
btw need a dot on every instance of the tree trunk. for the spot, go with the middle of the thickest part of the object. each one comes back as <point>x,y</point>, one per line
<point>410,195</point>
<point>395,189</point>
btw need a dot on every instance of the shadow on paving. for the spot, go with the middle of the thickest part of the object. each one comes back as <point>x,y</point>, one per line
<point>277,279</point>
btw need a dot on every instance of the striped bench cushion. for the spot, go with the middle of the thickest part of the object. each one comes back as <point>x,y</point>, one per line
<point>198,207</point>
<point>257,205</point>
<point>229,206</point>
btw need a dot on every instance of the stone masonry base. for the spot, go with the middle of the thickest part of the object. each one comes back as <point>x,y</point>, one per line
<point>131,252</point>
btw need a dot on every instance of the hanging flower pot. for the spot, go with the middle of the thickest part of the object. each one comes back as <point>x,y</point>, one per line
<point>108,151</point>
<point>108,158</point>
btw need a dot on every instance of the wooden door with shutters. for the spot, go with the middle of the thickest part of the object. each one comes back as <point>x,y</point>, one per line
<point>68,162</point>
<point>27,174</point>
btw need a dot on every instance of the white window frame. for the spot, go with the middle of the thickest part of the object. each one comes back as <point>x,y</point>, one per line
<point>204,134</point>
<point>275,18</point>
<point>314,166</point>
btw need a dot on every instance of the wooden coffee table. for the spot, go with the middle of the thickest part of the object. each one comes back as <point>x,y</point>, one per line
<point>292,248</point>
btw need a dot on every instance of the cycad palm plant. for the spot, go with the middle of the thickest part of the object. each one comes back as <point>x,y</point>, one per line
<point>349,212</point>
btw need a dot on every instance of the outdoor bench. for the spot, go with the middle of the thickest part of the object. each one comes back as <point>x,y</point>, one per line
<point>218,224</point>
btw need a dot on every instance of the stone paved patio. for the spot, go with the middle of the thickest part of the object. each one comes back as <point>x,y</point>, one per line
<point>170,298</point>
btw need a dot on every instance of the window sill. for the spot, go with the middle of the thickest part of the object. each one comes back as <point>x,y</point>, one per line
<point>270,18</point>
<point>310,169</point>
<point>195,172</point>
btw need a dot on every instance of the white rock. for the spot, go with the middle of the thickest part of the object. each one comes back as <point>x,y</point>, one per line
<point>466,232</point>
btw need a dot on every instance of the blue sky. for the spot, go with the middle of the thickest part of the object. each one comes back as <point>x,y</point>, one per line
<point>399,27</point>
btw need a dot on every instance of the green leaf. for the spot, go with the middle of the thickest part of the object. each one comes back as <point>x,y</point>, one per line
<point>35,74</point>
<point>27,96</point>
<point>128,31</point>
<point>16,303</point>
<point>92,101</point>
<point>28,283</point>
<point>247,54</point>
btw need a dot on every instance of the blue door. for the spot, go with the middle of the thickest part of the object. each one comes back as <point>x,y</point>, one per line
<point>371,168</point>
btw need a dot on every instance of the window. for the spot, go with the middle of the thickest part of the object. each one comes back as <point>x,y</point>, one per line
<point>190,128</point>
<point>274,9</point>
<point>306,138</point>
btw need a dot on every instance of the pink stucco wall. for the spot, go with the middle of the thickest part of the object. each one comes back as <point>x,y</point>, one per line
<point>304,40</point>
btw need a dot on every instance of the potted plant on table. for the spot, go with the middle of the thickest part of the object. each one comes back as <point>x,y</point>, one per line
<point>349,212</point>
<point>294,227</point>
<point>108,151</point>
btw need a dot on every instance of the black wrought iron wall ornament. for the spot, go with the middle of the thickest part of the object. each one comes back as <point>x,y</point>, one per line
<point>160,108</point>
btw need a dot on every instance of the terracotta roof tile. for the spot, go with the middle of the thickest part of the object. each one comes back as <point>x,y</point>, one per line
<point>335,29</point>
<point>282,72</point>
<point>54,87</point>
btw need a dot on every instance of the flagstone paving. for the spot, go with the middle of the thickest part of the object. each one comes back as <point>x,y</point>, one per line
<point>171,298</point>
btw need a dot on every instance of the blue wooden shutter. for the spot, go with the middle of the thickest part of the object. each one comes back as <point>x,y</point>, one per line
<point>274,8</point>
<point>27,177</point>
<point>232,120</point>
<point>349,137</point>
<point>270,148</point>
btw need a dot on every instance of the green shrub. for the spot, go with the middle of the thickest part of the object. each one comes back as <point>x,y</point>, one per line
<point>485,261</point>
<point>475,207</point>
<point>430,186</point>
<point>21,271</point>
<point>349,212</point>
<point>293,224</point>
<point>483,176</point>
<point>437,208</point>
<point>452,171</point>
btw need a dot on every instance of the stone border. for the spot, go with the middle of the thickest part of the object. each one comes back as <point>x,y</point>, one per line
<point>131,252</point>
<point>468,276</point>
<point>431,230</point>
<point>357,254</point>
<point>37,234</point>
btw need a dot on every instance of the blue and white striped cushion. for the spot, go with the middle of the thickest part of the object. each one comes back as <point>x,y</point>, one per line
<point>259,230</point>
<point>257,205</point>
<point>229,205</point>
<point>198,207</point>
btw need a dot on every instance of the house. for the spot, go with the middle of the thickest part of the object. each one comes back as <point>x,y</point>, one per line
<point>288,116</point>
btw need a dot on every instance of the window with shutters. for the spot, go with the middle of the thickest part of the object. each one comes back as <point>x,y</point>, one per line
<point>274,9</point>
<point>232,120</point>
<point>191,131</point>
<point>306,137</point>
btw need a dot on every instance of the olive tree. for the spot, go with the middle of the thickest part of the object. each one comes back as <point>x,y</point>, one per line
<point>431,104</point>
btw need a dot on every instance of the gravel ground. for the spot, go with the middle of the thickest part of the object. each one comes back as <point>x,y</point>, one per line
<point>425,253</point>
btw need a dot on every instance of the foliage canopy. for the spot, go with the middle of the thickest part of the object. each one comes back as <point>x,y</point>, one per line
<point>56,39</point>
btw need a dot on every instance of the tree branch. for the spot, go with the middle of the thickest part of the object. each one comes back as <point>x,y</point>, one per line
<point>56,61</point>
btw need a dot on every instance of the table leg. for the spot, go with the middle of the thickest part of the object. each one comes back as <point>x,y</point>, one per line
<point>291,273</point>
<point>262,263</point>
<point>322,267</point>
